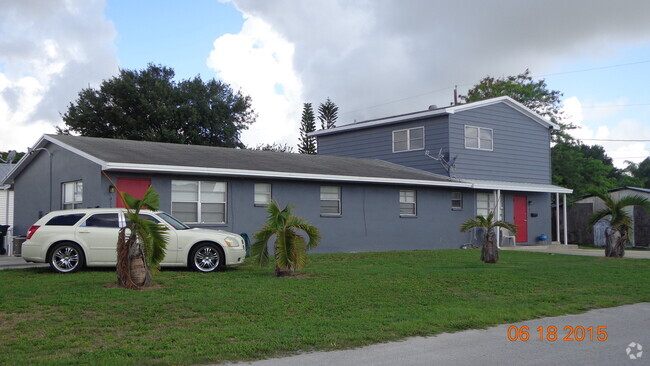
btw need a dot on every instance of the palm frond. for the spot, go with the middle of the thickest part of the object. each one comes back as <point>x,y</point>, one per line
<point>259,248</point>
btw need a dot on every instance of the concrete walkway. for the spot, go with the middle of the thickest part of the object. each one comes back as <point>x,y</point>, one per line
<point>9,262</point>
<point>626,327</point>
<point>574,250</point>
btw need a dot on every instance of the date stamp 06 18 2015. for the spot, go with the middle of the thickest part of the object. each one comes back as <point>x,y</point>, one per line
<point>552,333</point>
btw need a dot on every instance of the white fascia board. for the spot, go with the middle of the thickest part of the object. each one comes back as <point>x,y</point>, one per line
<point>522,187</point>
<point>75,150</point>
<point>271,174</point>
<point>389,120</point>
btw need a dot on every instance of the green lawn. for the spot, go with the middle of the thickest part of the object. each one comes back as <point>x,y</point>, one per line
<point>340,301</point>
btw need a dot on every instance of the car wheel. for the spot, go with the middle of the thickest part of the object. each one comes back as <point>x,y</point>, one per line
<point>206,257</point>
<point>67,258</point>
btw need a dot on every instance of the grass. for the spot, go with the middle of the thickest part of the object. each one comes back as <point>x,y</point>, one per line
<point>339,301</point>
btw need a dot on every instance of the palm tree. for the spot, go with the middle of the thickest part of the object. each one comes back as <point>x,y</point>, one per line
<point>145,246</point>
<point>489,253</point>
<point>290,249</point>
<point>620,222</point>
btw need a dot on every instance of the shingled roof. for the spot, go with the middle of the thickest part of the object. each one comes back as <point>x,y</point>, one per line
<point>145,156</point>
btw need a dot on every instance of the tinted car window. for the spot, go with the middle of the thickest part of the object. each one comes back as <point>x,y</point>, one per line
<point>65,220</point>
<point>145,217</point>
<point>103,220</point>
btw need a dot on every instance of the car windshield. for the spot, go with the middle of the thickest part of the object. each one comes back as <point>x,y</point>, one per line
<point>171,220</point>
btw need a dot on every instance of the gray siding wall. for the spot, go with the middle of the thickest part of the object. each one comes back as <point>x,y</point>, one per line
<point>377,143</point>
<point>521,147</point>
<point>32,192</point>
<point>370,219</point>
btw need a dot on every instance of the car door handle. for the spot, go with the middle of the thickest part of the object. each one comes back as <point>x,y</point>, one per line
<point>84,232</point>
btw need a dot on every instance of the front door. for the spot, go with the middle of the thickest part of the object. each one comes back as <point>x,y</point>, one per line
<point>136,187</point>
<point>521,218</point>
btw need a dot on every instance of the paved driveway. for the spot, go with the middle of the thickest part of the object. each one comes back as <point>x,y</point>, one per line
<point>574,250</point>
<point>624,325</point>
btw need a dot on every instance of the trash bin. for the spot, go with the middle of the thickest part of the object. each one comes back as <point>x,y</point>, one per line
<point>247,242</point>
<point>18,245</point>
<point>3,235</point>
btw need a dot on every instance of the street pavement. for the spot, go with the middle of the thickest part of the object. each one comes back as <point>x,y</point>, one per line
<point>626,327</point>
<point>10,262</point>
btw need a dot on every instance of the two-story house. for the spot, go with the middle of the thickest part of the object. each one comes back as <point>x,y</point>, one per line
<point>372,187</point>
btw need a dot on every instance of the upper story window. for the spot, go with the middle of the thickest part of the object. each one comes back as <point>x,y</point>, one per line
<point>407,203</point>
<point>262,193</point>
<point>72,195</point>
<point>478,138</point>
<point>408,140</point>
<point>330,200</point>
<point>199,201</point>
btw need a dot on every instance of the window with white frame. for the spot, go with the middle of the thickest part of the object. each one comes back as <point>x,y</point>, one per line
<point>478,138</point>
<point>199,201</point>
<point>72,195</point>
<point>407,203</point>
<point>330,200</point>
<point>485,203</point>
<point>456,200</point>
<point>262,193</point>
<point>408,140</point>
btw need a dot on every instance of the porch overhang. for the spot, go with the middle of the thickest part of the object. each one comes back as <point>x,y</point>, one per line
<point>516,186</point>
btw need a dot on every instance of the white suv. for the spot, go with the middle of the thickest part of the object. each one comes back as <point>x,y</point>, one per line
<point>70,239</point>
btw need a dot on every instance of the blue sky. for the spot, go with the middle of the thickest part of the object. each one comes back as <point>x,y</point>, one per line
<point>373,58</point>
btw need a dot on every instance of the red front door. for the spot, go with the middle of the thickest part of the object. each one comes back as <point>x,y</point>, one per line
<point>136,187</point>
<point>521,218</point>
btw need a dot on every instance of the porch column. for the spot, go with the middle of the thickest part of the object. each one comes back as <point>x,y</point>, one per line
<point>566,232</point>
<point>557,217</point>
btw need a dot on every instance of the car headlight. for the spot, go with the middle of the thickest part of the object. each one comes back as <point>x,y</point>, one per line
<point>231,241</point>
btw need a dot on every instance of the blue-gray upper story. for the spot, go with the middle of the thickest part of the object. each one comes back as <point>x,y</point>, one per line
<point>497,139</point>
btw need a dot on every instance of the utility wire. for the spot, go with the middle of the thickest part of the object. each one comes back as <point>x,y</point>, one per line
<point>615,140</point>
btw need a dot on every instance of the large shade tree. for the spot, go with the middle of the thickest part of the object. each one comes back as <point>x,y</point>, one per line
<point>616,212</point>
<point>289,248</point>
<point>489,251</point>
<point>151,105</point>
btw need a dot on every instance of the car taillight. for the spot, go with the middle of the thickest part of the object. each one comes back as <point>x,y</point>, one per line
<point>31,231</point>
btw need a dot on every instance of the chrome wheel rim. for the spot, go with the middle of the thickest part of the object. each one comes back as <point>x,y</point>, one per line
<point>65,259</point>
<point>206,259</point>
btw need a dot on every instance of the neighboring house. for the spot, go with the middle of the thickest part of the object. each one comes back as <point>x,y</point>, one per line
<point>6,204</point>
<point>583,208</point>
<point>358,204</point>
<point>498,145</point>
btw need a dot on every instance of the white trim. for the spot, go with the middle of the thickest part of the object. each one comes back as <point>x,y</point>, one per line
<point>272,174</point>
<point>450,110</point>
<point>408,139</point>
<point>516,186</point>
<point>74,150</point>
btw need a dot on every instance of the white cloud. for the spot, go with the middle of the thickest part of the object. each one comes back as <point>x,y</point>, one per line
<point>49,51</point>
<point>608,127</point>
<point>260,63</point>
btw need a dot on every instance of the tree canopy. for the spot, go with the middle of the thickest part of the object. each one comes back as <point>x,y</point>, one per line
<point>328,113</point>
<point>150,105</point>
<point>307,144</point>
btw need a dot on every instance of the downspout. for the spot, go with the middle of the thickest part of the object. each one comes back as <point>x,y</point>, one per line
<point>557,217</point>
<point>566,224</point>
<point>497,195</point>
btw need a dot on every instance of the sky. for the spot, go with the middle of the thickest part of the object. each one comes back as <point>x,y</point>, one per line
<point>373,58</point>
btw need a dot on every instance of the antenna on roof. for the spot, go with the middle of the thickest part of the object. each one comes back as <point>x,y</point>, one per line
<point>449,165</point>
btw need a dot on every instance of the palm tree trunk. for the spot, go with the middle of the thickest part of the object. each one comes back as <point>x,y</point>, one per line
<point>132,270</point>
<point>490,252</point>
<point>616,239</point>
